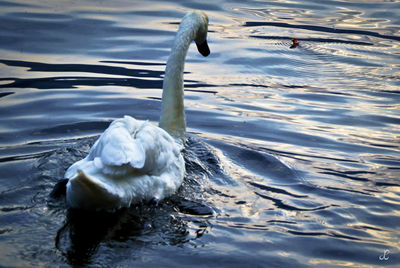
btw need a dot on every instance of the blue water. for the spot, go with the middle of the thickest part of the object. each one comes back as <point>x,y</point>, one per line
<point>293,155</point>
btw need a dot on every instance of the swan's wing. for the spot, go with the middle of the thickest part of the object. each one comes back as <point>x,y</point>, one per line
<point>116,147</point>
<point>162,152</point>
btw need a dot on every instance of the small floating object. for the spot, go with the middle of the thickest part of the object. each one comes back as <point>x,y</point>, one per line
<point>295,43</point>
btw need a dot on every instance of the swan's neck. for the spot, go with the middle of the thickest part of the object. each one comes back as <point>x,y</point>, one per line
<point>172,112</point>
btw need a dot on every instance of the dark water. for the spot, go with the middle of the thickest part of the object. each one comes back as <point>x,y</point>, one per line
<point>293,154</point>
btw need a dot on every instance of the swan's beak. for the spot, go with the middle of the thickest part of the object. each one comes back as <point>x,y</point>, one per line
<point>203,48</point>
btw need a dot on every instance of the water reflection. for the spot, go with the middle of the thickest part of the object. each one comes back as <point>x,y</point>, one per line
<point>287,147</point>
<point>83,232</point>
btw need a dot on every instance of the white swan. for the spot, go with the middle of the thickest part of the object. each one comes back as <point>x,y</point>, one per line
<point>133,160</point>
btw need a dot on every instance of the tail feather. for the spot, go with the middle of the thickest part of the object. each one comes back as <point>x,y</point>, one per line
<point>88,193</point>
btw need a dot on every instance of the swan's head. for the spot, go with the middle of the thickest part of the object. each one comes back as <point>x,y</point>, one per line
<point>201,34</point>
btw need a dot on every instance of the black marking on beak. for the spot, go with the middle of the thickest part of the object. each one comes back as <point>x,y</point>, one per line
<point>203,48</point>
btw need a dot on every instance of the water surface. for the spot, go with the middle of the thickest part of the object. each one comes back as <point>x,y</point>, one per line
<point>292,156</point>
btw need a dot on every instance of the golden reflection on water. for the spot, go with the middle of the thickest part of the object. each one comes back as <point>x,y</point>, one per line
<point>335,126</point>
<point>338,263</point>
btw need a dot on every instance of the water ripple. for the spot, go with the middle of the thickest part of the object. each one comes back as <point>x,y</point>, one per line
<point>292,155</point>
<point>315,28</point>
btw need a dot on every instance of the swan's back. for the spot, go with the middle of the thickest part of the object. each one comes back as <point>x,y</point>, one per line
<point>132,161</point>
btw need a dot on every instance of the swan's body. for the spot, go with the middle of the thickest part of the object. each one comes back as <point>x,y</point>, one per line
<point>133,160</point>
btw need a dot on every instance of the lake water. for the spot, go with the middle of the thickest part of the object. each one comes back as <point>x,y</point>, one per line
<point>293,155</point>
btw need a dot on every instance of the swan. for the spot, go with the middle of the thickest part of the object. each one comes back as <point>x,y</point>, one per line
<point>135,161</point>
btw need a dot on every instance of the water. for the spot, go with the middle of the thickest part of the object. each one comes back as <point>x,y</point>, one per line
<point>292,157</point>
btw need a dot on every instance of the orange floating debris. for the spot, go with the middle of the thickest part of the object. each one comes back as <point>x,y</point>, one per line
<point>294,44</point>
